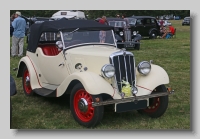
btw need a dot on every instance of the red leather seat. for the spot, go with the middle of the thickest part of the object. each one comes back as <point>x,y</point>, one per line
<point>50,50</point>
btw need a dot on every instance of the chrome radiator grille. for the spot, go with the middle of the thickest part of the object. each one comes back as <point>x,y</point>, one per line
<point>127,34</point>
<point>124,68</point>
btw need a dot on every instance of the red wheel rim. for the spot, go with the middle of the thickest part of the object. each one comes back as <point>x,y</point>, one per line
<point>87,115</point>
<point>27,87</point>
<point>154,106</point>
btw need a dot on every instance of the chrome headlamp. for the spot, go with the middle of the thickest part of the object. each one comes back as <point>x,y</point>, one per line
<point>144,67</point>
<point>108,71</point>
<point>134,33</point>
<point>121,33</point>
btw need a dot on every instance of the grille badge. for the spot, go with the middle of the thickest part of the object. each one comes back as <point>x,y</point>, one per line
<point>124,53</point>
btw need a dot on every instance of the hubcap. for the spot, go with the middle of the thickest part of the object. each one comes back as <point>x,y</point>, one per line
<point>83,105</point>
<point>26,82</point>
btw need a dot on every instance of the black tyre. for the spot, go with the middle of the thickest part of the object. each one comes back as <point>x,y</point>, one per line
<point>81,107</point>
<point>137,46</point>
<point>158,105</point>
<point>26,82</point>
<point>153,35</point>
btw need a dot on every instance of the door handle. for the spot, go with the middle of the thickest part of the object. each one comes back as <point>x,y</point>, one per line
<point>61,64</point>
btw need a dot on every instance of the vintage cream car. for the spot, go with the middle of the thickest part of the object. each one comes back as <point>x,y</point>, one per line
<point>81,58</point>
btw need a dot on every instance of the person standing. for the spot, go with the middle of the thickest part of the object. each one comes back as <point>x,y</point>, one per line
<point>11,27</point>
<point>161,22</point>
<point>103,20</point>
<point>118,16</point>
<point>19,25</point>
<point>102,33</point>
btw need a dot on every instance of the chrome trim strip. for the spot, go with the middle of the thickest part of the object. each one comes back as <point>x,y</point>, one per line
<point>120,52</point>
<point>119,71</point>
<point>126,68</point>
<point>114,38</point>
<point>130,70</point>
<point>45,35</point>
<point>131,99</point>
<point>115,76</point>
<point>82,44</point>
<point>134,71</point>
<point>61,34</point>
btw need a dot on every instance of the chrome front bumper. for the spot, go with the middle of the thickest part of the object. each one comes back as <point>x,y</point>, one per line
<point>131,99</point>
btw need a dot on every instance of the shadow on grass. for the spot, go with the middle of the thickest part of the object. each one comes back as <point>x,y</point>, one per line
<point>62,102</point>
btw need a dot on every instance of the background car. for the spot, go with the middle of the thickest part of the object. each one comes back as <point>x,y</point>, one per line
<point>177,18</point>
<point>186,21</point>
<point>125,38</point>
<point>166,23</point>
<point>146,26</point>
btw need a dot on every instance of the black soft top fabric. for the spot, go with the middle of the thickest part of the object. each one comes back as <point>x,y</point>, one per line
<point>114,19</point>
<point>63,24</point>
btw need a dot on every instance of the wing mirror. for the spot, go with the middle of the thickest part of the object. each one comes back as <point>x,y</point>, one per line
<point>59,44</point>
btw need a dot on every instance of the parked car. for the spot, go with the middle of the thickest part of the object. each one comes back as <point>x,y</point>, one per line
<point>13,91</point>
<point>69,14</point>
<point>177,18</point>
<point>186,21</point>
<point>75,61</point>
<point>146,26</point>
<point>125,38</point>
<point>165,23</point>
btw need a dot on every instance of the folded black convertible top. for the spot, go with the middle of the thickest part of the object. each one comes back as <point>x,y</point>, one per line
<point>63,24</point>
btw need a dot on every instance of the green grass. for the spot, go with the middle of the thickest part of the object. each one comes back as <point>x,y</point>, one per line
<point>173,55</point>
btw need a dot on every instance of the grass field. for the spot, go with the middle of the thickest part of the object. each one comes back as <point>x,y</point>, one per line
<point>172,54</point>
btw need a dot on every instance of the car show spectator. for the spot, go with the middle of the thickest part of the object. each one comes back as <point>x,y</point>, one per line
<point>161,22</point>
<point>19,25</point>
<point>126,20</point>
<point>103,20</point>
<point>169,32</point>
<point>102,34</point>
<point>162,30</point>
<point>11,27</point>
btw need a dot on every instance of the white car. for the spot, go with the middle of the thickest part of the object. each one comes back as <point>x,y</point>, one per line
<point>73,57</point>
<point>166,23</point>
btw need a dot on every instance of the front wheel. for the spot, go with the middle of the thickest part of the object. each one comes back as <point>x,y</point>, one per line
<point>153,35</point>
<point>158,105</point>
<point>137,46</point>
<point>81,107</point>
<point>26,82</point>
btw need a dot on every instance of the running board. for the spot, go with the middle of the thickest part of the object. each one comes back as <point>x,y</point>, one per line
<point>45,92</point>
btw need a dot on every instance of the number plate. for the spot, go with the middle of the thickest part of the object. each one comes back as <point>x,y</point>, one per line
<point>130,106</point>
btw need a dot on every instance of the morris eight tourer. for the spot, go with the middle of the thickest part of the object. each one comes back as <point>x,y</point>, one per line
<point>81,58</point>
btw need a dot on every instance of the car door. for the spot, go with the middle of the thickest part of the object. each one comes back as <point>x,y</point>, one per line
<point>53,69</point>
<point>139,26</point>
<point>149,24</point>
<point>51,61</point>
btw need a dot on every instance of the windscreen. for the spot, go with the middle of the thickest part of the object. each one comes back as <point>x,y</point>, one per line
<point>85,37</point>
